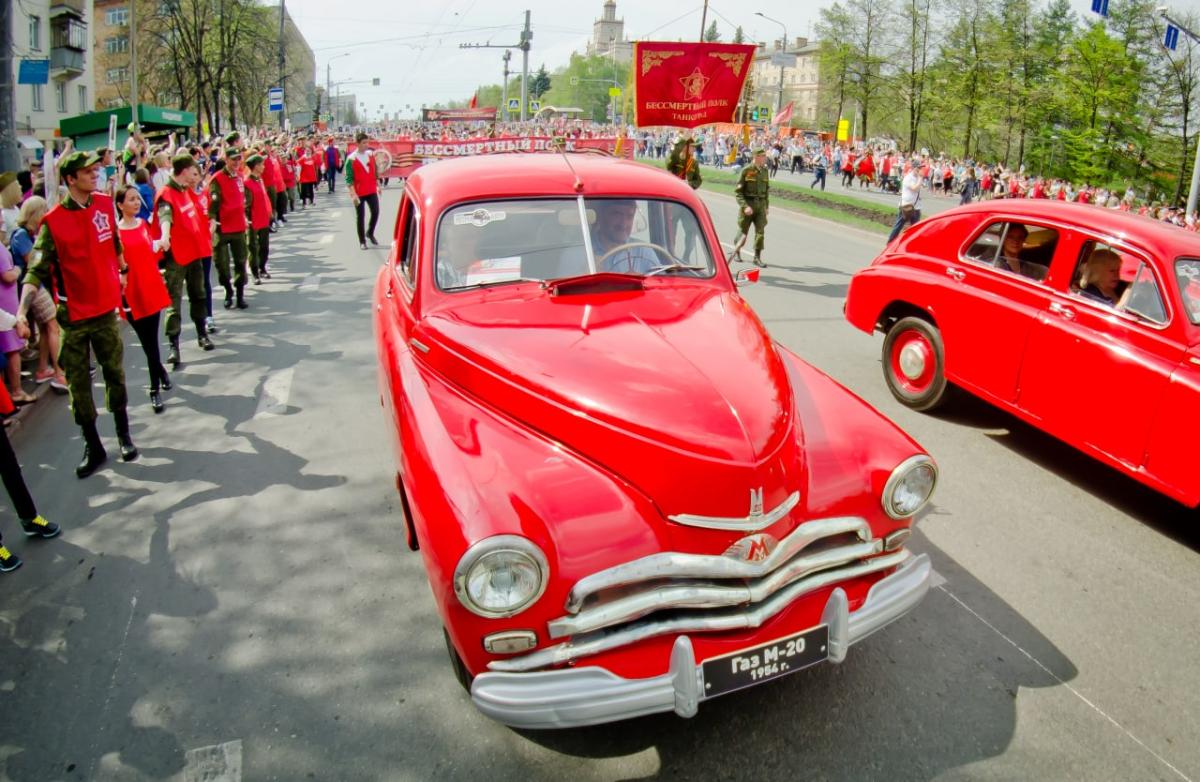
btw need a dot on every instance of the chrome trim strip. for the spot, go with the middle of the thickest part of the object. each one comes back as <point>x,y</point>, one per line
<point>590,695</point>
<point>638,605</point>
<point>752,523</point>
<point>715,621</point>
<point>672,564</point>
<point>421,346</point>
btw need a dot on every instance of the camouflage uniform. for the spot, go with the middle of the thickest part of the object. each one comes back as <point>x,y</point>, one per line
<point>99,335</point>
<point>751,191</point>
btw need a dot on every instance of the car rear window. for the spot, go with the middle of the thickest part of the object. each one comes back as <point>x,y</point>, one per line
<point>1187,271</point>
<point>496,242</point>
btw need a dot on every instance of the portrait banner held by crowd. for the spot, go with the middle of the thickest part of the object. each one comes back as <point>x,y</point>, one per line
<point>687,85</point>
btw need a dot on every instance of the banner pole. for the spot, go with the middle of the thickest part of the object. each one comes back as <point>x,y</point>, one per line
<point>703,21</point>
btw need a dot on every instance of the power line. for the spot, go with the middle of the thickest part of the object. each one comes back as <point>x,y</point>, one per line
<point>414,37</point>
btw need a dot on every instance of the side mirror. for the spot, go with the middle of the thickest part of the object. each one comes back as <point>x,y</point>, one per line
<point>746,277</point>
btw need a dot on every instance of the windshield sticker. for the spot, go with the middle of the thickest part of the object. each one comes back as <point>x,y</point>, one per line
<point>478,218</point>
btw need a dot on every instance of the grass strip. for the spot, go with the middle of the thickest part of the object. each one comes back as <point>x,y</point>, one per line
<point>832,214</point>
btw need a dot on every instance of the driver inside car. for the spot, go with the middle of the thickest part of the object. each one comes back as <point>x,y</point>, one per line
<point>1010,254</point>
<point>613,226</point>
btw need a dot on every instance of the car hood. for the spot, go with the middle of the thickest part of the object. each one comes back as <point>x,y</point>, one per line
<point>678,391</point>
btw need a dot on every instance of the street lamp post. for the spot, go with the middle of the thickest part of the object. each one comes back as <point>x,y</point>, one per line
<point>779,104</point>
<point>329,86</point>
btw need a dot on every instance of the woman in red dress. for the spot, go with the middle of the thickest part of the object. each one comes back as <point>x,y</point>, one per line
<point>145,292</point>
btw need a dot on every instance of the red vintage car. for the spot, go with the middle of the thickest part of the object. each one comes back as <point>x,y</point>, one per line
<point>1085,322</point>
<point>627,497</point>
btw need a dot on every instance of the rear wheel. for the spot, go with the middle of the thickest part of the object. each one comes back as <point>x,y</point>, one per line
<point>456,664</point>
<point>914,363</point>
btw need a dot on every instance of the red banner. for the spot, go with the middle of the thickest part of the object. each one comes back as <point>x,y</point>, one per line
<point>688,84</point>
<point>409,154</point>
<point>785,116</point>
<point>486,114</point>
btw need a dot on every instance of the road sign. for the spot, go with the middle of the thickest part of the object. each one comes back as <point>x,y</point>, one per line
<point>534,106</point>
<point>1100,7</point>
<point>34,72</point>
<point>275,99</point>
<point>783,60</point>
<point>614,92</point>
<point>514,104</point>
<point>1171,39</point>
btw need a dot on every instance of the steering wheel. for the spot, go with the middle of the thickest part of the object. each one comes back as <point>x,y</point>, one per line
<point>629,245</point>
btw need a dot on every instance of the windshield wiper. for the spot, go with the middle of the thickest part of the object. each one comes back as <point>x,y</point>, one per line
<point>674,267</point>
<point>491,283</point>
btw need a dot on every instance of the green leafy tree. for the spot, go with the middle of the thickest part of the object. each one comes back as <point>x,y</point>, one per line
<point>711,33</point>
<point>584,83</point>
<point>739,35</point>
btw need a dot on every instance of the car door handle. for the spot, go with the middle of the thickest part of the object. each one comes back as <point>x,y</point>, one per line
<point>1063,310</point>
<point>388,294</point>
<point>957,274</point>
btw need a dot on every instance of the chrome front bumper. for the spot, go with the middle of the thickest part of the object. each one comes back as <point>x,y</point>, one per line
<point>572,697</point>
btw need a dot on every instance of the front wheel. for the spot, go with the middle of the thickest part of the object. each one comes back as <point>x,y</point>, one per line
<point>461,673</point>
<point>914,363</point>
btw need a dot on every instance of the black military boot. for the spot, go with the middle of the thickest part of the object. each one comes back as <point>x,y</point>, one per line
<point>173,353</point>
<point>93,451</point>
<point>241,298</point>
<point>758,261</point>
<point>129,451</point>
<point>228,295</point>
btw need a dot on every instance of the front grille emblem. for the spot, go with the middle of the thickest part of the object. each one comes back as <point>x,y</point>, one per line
<point>758,518</point>
<point>756,505</point>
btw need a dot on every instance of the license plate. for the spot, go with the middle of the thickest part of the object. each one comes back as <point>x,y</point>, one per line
<point>768,661</point>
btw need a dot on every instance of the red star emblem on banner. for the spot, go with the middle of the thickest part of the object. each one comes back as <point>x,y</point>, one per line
<point>694,84</point>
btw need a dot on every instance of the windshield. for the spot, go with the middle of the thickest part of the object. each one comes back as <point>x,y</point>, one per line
<point>1187,271</point>
<point>495,242</point>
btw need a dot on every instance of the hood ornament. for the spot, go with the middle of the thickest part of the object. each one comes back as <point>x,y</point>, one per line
<point>755,520</point>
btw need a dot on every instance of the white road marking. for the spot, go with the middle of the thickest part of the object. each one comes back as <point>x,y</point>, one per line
<point>325,239</point>
<point>310,283</point>
<point>215,763</point>
<point>936,579</point>
<point>1068,687</point>
<point>275,391</point>
<point>112,680</point>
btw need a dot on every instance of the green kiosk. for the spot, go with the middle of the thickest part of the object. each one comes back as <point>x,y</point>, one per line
<point>90,131</point>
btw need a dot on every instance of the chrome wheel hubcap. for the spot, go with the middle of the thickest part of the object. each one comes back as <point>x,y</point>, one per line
<point>912,361</point>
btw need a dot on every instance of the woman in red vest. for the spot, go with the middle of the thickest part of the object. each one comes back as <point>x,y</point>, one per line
<point>308,177</point>
<point>145,292</point>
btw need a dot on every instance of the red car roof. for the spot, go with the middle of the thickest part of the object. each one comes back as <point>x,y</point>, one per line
<point>1168,241</point>
<point>539,174</point>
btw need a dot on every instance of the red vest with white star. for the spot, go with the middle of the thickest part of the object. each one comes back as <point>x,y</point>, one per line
<point>232,209</point>
<point>364,177</point>
<point>85,242</point>
<point>190,239</point>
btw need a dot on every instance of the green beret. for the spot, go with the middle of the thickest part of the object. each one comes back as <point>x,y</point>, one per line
<point>233,138</point>
<point>253,161</point>
<point>232,152</point>
<point>76,161</point>
<point>182,162</point>
<point>6,179</point>
<point>759,151</point>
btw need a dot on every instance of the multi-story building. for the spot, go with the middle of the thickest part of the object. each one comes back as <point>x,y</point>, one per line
<point>608,36</point>
<point>111,45</point>
<point>801,82</point>
<point>58,31</point>
<point>300,72</point>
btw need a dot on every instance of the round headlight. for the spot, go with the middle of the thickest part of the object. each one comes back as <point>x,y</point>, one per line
<point>500,576</point>
<point>909,487</point>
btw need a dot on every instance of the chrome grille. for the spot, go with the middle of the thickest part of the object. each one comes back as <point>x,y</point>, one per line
<point>676,593</point>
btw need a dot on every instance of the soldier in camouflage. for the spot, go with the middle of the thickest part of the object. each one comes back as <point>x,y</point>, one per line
<point>751,192</point>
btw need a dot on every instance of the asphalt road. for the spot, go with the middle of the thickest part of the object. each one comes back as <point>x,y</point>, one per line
<point>239,602</point>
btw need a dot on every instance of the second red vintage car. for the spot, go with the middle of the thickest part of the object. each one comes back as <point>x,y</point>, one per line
<point>1083,321</point>
<point>629,499</point>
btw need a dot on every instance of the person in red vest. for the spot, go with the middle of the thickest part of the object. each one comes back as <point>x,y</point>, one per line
<point>82,263</point>
<point>33,524</point>
<point>258,213</point>
<point>273,179</point>
<point>145,293</point>
<point>1084,196</point>
<point>227,215</point>
<point>308,176</point>
<point>183,230</point>
<point>361,177</point>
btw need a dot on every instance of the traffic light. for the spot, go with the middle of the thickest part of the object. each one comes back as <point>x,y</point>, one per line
<point>754,114</point>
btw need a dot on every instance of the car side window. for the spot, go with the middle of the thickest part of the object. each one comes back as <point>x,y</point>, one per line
<point>1016,248</point>
<point>1187,272</point>
<point>1143,298</point>
<point>407,252</point>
